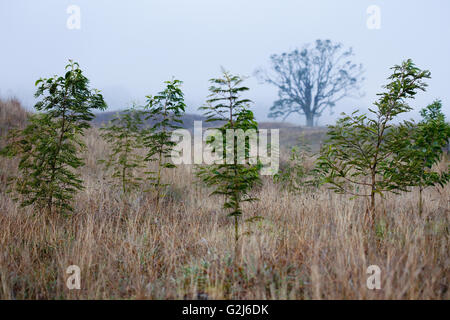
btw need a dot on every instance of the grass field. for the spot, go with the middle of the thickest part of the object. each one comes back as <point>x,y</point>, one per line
<point>311,245</point>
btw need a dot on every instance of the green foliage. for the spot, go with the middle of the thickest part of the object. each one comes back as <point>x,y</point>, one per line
<point>123,134</point>
<point>233,180</point>
<point>427,146</point>
<point>424,145</point>
<point>295,176</point>
<point>48,147</point>
<point>360,153</point>
<point>165,110</point>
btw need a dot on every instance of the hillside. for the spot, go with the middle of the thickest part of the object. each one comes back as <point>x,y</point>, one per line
<point>289,133</point>
<point>12,115</point>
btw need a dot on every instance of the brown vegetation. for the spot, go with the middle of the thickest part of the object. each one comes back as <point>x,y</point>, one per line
<point>308,246</point>
<point>12,115</point>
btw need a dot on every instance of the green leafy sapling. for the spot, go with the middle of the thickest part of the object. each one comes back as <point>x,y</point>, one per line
<point>425,143</point>
<point>296,176</point>
<point>360,151</point>
<point>31,144</point>
<point>165,110</point>
<point>49,146</point>
<point>123,134</point>
<point>233,179</point>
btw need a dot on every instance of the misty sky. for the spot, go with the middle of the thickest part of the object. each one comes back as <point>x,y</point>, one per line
<point>128,48</point>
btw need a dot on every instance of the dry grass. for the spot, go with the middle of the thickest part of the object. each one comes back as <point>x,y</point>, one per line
<point>12,115</point>
<point>308,246</point>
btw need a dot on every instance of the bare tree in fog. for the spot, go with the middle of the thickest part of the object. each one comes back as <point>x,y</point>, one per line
<point>311,80</point>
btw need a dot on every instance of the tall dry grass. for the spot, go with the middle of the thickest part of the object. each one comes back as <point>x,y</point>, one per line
<point>12,115</point>
<point>308,246</point>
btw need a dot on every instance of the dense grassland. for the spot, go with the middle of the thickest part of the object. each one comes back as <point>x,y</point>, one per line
<point>310,245</point>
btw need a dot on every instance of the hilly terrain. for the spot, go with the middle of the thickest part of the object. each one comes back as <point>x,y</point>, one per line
<point>290,134</point>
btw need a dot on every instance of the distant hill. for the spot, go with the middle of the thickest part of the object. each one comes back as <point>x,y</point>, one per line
<point>188,119</point>
<point>290,134</point>
<point>12,115</point>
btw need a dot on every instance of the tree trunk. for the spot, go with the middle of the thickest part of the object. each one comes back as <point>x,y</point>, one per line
<point>236,242</point>
<point>371,211</point>
<point>420,201</point>
<point>310,120</point>
<point>372,208</point>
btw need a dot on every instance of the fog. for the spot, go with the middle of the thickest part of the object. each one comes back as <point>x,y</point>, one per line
<point>128,48</point>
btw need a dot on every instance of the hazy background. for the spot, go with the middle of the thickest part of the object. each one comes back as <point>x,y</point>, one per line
<point>128,48</point>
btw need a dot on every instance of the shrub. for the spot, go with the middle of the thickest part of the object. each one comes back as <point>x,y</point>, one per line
<point>232,180</point>
<point>48,147</point>
<point>423,148</point>
<point>166,110</point>
<point>360,153</point>
<point>123,134</point>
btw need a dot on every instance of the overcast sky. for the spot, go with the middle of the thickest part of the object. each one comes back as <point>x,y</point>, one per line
<point>128,48</point>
